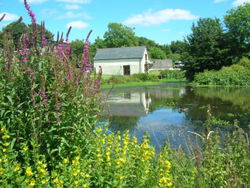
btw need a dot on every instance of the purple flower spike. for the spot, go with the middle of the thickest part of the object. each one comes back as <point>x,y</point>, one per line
<point>32,15</point>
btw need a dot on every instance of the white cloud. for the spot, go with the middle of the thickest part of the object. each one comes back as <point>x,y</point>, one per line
<point>181,33</point>
<point>34,1</point>
<point>72,7</point>
<point>46,13</point>
<point>165,30</point>
<point>69,15</point>
<point>149,18</point>
<point>78,25</point>
<point>9,16</point>
<point>240,2</point>
<point>219,1</point>
<point>75,1</point>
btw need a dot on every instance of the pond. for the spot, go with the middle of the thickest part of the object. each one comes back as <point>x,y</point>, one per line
<point>174,111</point>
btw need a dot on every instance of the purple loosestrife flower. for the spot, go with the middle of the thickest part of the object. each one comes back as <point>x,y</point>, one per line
<point>30,12</point>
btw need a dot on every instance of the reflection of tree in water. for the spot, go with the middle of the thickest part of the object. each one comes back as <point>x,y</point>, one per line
<point>121,123</point>
<point>195,101</point>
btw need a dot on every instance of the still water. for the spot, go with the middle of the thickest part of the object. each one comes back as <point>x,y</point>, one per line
<point>170,112</point>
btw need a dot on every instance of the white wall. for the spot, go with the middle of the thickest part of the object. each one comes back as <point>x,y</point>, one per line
<point>115,67</point>
<point>143,62</point>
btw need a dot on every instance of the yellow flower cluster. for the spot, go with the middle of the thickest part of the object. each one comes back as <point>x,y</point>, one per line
<point>165,179</point>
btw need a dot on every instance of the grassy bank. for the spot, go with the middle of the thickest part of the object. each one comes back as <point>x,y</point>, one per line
<point>131,84</point>
<point>151,78</point>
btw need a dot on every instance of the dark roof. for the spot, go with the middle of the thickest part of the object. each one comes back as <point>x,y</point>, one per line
<point>120,53</point>
<point>162,64</point>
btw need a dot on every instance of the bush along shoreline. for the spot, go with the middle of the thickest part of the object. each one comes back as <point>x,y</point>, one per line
<point>49,109</point>
<point>235,75</point>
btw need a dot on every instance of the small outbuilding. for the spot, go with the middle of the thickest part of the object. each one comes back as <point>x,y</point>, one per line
<point>165,64</point>
<point>122,61</point>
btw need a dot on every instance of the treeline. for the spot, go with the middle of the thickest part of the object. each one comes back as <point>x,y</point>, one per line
<point>118,35</point>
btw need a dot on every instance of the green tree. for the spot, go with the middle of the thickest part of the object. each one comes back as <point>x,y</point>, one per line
<point>157,53</point>
<point>237,22</point>
<point>119,35</point>
<point>16,29</point>
<point>77,48</point>
<point>206,47</point>
<point>178,47</point>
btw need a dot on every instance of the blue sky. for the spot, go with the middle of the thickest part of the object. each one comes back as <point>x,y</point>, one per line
<point>160,20</point>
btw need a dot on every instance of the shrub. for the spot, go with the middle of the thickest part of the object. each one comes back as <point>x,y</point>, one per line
<point>172,74</point>
<point>144,77</point>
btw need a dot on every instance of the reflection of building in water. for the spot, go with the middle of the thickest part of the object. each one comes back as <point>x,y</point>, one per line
<point>128,104</point>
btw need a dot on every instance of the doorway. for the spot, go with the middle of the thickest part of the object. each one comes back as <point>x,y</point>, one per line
<point>126,70</point>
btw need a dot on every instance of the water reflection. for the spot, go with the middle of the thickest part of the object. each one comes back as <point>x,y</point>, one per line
<point>169,111</point>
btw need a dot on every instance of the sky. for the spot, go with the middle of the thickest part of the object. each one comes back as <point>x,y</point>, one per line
<point>160,20</point>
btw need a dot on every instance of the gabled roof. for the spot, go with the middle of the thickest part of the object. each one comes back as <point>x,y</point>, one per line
<point>162,64</point>
<point>120,53</point>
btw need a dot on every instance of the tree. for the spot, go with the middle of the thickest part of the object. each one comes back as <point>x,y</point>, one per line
<point>77,48</point>
<point>206,47</point>
<point>16,29</point>
<point>237,22</point>
<point>157,53</point>
<point>178,47</point>
<point>119,35</point>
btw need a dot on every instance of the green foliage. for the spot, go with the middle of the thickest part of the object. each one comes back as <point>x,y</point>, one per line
<point>237,23</point>
<point>109,160</point>
<point>119,35</point>
<point>144,77</point>
<point>235,75</point>
<point>157,53</point>
<point>141,77</point>
<point>17,29</point>
<point>172,74</point>
<point>206,49</point>
<point>77,48</point>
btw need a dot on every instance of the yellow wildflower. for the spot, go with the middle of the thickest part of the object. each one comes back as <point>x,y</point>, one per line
<point>85,185</point>
<point>39,162</point>
<point>65,161</point>
<point>76,182</point>
<point>55,180</point>
<point>32,183</point>
<point>98,130</point>
<point>1,171</point>
<point>121,177</point>
<point>87,175</point>
<point>17,167</point>
<point>5,136</point>
<point>25,148</point>
<point>147,171</point>
<point>99,155</point>
<point>4,150</point>
<point>28,171</point>
<point>45,181</point>
<point>168,164</point>
<point>42,171</point>
<point>76,160</point>
<point>3,129</point>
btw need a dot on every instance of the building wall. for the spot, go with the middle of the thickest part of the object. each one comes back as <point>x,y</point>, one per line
<point>115,67</point>
<point>143,62</point>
